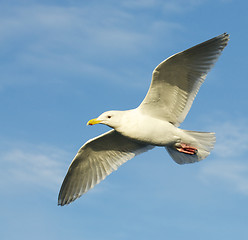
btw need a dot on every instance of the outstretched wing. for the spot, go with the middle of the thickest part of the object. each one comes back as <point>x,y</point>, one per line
<point>176,81</point>
<point>95,160</point>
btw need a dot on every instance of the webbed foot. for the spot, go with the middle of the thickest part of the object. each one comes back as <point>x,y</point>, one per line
<point>184,148</point>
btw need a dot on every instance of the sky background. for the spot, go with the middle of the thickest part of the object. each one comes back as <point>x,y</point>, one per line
<point>65,62</point>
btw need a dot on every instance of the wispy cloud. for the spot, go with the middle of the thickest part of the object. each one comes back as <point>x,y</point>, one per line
<point>47,41</point>
<point>176,6</point>
<point>167,7</point>
<point>137,4</point>
<point>55,42</point>
<point>30,165</point>
<point>230,173</point>
<point>229,165</point>
<point>231,139</point>
<point>181,6</point>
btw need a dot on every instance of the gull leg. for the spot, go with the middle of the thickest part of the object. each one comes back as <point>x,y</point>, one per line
<point>184,148</point>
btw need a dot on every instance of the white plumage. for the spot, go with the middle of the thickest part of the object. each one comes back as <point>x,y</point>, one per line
<point>175,83</point>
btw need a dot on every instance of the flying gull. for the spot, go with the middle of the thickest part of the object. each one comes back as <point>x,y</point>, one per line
<point>175,83</point>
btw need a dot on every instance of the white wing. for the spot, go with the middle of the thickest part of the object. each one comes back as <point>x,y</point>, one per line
<point>176,81</point>
<point>95,160</point>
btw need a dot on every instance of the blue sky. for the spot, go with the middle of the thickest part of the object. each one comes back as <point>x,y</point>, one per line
<point>65,62</point>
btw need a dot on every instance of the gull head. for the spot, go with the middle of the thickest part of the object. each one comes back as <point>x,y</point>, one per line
<point>110,118</point>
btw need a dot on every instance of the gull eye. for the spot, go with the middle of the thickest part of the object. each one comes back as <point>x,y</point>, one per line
<point>108,116</point>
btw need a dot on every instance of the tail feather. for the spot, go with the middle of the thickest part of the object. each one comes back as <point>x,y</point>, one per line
<point>203,141</point>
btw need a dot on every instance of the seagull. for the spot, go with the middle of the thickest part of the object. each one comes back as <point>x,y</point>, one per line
<point>175,83</point>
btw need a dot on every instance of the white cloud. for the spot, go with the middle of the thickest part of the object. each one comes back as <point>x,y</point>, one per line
<point>232,174</point>
<point>229,164</point>
<point>141,3</point>
<point>231,139</point>
<point>33,166</point>
<point>173,6</point>
<point>47,42</point>
<point>180,6</point>
<point>64,41</point>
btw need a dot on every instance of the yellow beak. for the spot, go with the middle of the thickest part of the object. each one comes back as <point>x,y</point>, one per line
<point>93,121</point>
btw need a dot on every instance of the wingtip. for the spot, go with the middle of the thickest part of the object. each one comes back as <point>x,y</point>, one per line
<point>225,36</point>
<point>222,40</point>
<point>62,203</point>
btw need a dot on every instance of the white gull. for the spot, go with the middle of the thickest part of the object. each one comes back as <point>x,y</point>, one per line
<point>175,83</point>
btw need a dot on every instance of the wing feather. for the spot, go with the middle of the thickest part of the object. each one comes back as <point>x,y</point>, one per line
<point>176,81</point>
<point>94,161</point>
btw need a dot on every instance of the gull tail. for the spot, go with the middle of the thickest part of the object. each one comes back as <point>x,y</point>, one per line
<point>203,143</point>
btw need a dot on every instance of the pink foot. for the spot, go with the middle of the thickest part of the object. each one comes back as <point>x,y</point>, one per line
<point>184,148</point>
